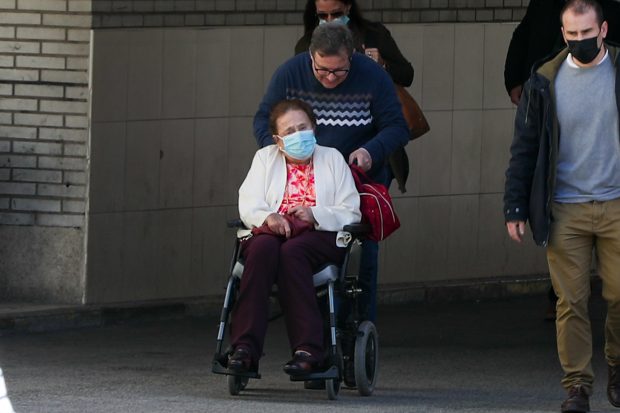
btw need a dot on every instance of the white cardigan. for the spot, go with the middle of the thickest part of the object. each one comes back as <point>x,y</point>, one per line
<point>262,191</point>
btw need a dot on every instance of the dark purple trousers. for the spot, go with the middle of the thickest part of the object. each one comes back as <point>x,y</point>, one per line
<point>289,263</point>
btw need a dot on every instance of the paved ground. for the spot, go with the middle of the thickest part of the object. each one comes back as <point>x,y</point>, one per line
<point>461,357</point>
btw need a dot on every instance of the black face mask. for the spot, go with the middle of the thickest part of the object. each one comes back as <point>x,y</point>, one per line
<point>584,50</point>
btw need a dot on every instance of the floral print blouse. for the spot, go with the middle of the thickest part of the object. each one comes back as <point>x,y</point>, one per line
<point>299,187</point>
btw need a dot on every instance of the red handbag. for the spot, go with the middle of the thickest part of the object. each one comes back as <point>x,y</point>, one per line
<point>375,205</point>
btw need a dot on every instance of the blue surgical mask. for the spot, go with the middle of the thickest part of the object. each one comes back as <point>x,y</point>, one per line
<point>344,19</point>
<point>299,145</point>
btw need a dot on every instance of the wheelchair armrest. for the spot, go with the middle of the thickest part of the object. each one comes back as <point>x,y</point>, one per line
<point>357,230</point>
<point>235,223</point>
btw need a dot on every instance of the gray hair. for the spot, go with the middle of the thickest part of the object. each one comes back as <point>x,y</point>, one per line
<point>330,39</point>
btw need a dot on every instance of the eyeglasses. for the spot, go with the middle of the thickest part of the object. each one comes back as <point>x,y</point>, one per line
<point>327,72</point>
<point>335,15</point>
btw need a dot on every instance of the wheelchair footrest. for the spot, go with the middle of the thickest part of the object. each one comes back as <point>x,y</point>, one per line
<point>330,373</point>
<point>218,368</point>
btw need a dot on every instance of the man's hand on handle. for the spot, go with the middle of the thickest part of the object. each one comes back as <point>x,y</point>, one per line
<point>362,158</point>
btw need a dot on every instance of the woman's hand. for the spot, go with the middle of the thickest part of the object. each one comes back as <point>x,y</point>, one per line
<point>278,224</point>
<point>515,94</point>
<point>302,212</point>
<point>374,54</point>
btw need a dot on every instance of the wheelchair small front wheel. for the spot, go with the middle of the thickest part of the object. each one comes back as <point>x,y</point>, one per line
<point>236,384</point>
<point>366,359</point>
<point>333,387</point>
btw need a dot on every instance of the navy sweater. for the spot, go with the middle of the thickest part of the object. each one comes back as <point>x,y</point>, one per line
<point>362,111</point>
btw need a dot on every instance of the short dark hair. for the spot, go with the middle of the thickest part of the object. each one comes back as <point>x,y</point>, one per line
<point>330,39</point>
<point>284,106</point>
<point>582,7</point>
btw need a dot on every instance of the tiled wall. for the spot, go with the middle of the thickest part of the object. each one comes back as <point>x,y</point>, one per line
<point>453,225</point>
<point>172,141</point>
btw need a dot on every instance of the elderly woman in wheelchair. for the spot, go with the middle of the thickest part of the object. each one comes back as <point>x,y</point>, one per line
<point>295,198</point>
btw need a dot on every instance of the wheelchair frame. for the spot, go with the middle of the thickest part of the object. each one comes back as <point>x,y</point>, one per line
<point>363,361</point>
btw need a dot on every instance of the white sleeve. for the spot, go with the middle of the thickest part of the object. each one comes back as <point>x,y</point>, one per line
<point>345,208</point>
<point>253,205</point>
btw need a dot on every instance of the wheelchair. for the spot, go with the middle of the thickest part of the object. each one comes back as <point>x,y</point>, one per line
<point>353,347</point>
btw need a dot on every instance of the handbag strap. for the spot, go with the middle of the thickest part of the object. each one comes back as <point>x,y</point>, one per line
<point>359,176</point>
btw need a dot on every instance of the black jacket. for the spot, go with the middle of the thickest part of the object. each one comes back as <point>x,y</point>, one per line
<point>530,178</point>
<point>538,36</point>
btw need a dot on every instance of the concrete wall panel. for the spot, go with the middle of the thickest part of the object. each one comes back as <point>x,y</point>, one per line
<point>144,86</point>
<point>213,72</point>
<point>41,264</point>
<point>468,66</point>
<point>246,74</point>
<point>279,45</point>
<point>211,248</point>
<point>463,247</point>
<point>497,131</point>
<point>466,143</point>
<point>179,74</point>
<point>142,157</point>
<point>411,44</point>
<point>211,160</point>
<point>438,67</point>
<point>176,163</point>
<point>431,161</point>
<point>496,40</point>
<point>106,257</point>
<point>110,68</point>
<point>107,167</point>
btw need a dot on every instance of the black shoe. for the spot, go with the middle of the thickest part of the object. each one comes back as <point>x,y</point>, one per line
<point>314,384</point>
<point>577,402</point>
<point>240,360</point>
<point>613,385</point>
<point>302,363</point>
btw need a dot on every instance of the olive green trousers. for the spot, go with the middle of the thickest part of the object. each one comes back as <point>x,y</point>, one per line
<point>578,230</point>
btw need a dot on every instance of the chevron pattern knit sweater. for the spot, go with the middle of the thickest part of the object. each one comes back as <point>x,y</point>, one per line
<point>362,111</point>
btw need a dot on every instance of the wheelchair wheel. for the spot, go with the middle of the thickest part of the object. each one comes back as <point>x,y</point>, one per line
<point>366,360</point>
<point>236,384</point>
<point>333,387</point>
